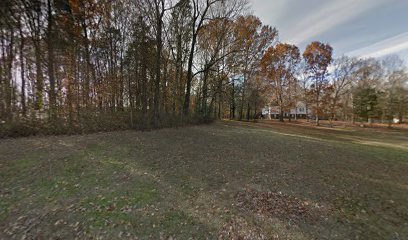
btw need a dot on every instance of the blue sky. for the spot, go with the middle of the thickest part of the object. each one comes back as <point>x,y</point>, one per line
<point>362,28</point>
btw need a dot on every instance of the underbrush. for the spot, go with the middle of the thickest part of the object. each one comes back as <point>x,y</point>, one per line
<point>94,122</point>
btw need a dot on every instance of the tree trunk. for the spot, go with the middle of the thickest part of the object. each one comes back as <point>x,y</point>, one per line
<point>39,81</point>
<point>317,104</point>
<point>8,86</point>
<point>220,98</point>
<point>205,92</point>
<point>51,76</point>
<point>281,115</point>
<point>2,90</point>
<point>232,111</point>
<point>159,46</point>
<point>178,90</point>
<point>22,65</point>
<point>186,108</point>
<point>248,111</point>
<point>244,84</point>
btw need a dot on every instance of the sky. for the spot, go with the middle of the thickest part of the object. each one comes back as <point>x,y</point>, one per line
<point>360,28</point>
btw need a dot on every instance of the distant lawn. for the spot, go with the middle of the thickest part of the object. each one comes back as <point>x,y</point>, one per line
<point>225,180</point>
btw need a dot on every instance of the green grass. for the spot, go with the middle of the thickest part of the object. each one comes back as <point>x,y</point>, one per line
<point>183,183</point>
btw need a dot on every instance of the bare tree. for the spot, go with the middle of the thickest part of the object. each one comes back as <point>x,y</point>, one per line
<point>342,80</point>
<point>204,11</point>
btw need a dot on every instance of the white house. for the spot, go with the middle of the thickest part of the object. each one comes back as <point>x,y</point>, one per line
<point>299,111</point>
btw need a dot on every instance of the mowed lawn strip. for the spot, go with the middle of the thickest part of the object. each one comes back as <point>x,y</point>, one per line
<point>210,181</point>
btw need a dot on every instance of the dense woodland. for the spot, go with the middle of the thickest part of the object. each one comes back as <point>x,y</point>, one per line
<point>70,66</point>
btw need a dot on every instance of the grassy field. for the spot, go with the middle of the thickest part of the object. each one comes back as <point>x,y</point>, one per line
<point>227,180</point>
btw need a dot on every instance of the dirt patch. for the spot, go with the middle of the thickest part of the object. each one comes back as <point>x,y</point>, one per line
<point>239,229</point>
<point>277,204</point>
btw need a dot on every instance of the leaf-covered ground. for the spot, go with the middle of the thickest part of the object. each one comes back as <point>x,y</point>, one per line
<point>226,180</point>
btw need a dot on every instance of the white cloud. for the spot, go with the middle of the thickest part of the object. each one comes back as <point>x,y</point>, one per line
<point>350,26</point>
<point>393,45</point>
<point>270,12</point>
<point>328,16</point>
